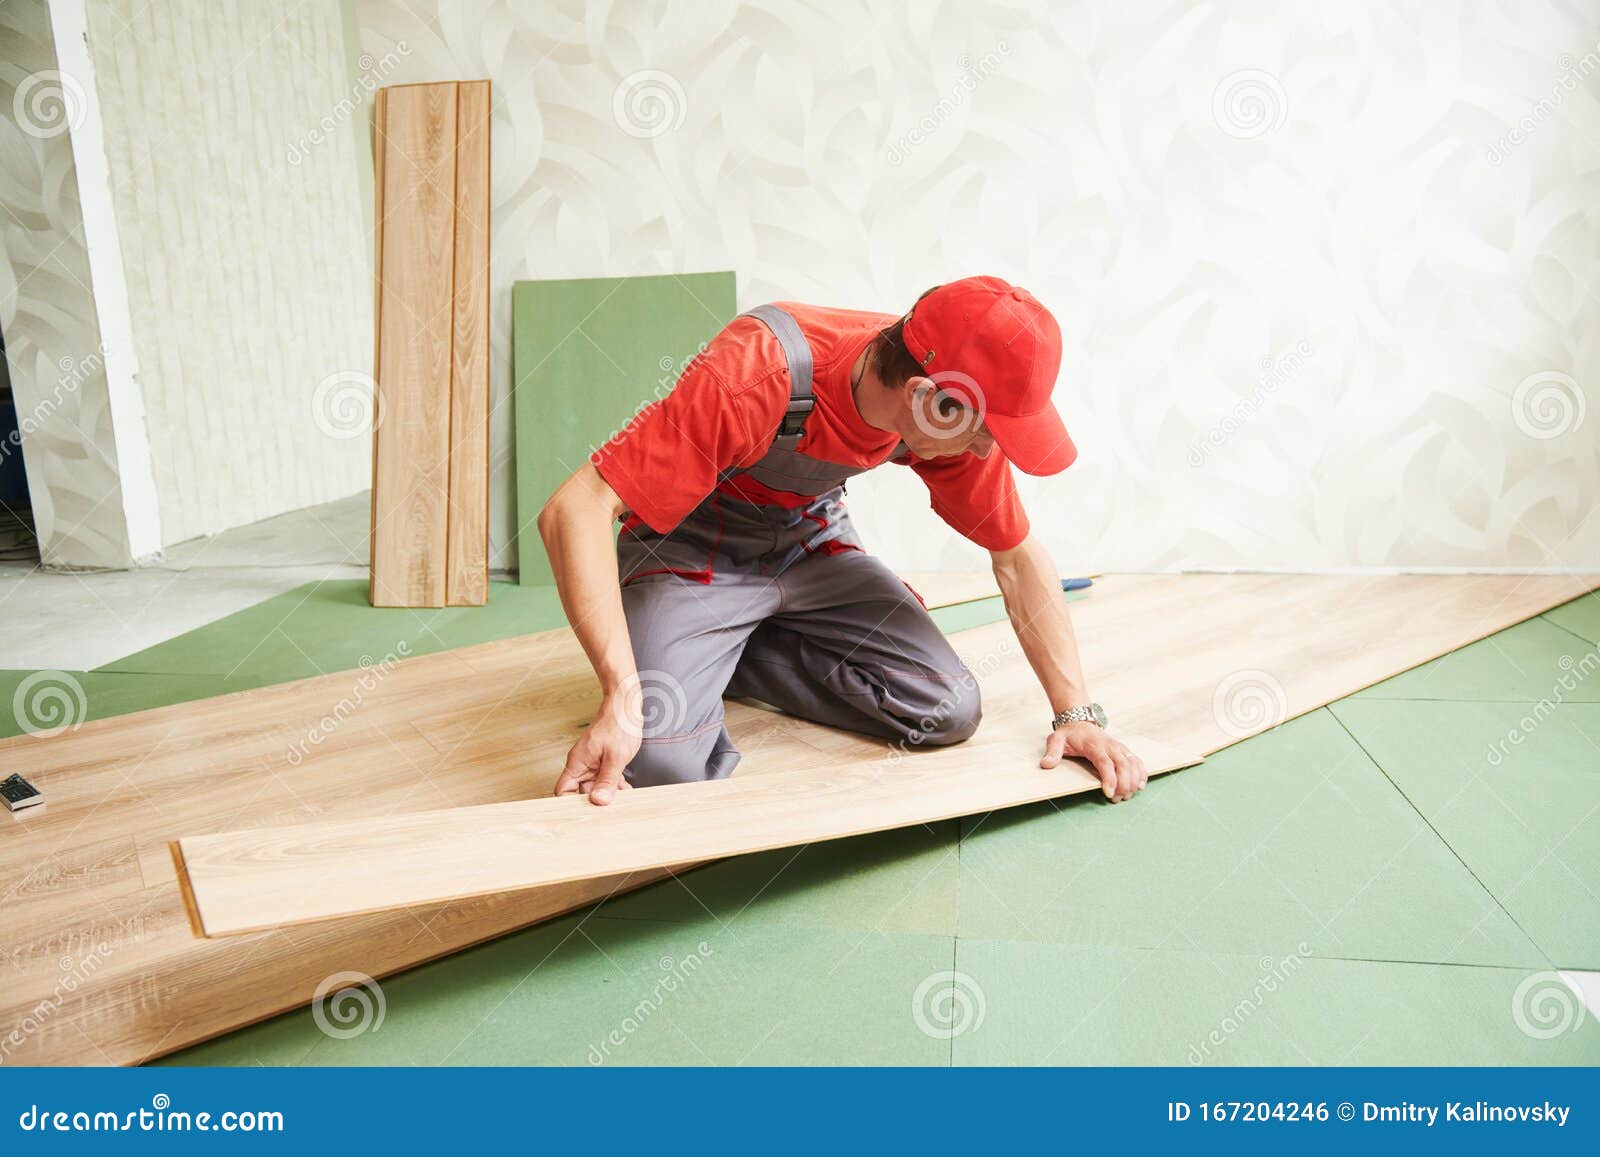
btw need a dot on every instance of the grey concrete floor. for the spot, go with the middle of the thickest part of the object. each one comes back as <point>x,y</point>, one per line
<point>73,621</point>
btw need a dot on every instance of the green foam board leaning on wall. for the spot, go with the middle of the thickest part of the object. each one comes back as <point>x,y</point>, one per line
<point>587,355</point>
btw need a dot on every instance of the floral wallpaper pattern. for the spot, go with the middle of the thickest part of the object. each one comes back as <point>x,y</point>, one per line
<point>1328,273</point>
<point>47,310</point>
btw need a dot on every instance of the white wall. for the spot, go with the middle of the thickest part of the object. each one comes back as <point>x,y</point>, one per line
<point>1327,271</point>
<point>55,348</point>
<point>232,131</point>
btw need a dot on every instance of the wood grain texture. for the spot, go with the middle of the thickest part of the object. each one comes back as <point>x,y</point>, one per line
<point>411,441</point>
<point>380,132</point>
<point>430,460</point>
<point>467,550</point>
<point>254,880</point>
<point>489,724</point>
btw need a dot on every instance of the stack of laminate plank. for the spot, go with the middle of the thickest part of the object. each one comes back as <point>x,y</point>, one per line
<point>430,447</point>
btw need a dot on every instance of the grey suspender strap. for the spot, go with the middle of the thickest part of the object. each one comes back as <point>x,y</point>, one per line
<point>798,353</point>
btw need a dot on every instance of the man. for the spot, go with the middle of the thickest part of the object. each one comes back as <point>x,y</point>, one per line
<point>737,572</point>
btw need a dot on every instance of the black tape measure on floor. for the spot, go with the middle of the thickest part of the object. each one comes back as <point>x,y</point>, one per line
<point>19,793</point>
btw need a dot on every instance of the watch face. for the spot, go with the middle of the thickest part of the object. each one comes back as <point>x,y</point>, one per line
<point>1099,713</point>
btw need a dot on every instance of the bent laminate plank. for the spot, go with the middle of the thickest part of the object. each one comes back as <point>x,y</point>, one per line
<point>430,439</point>
<point>251,880</point>
<point>490,723</point>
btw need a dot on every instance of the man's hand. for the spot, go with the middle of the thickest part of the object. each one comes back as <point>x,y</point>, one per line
<point>1121,772</point>
<point>596,762</point>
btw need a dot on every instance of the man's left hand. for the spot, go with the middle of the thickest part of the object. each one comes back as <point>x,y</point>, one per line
<point>1122,773</point>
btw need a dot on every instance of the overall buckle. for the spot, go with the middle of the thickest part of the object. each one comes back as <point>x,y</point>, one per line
<point>794,417</point>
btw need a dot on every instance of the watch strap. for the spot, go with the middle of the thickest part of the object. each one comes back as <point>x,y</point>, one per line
<point>1086,713</point>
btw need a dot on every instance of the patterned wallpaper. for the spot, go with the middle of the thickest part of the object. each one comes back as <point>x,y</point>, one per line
<point>232,130</point>
<point>47,311</point>
<point>1327,271</point>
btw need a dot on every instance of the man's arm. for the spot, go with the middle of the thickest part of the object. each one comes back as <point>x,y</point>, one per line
<point>576,528</point>
<point>1031,587</point>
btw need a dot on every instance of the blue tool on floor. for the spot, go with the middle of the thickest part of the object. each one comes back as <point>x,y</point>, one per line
<point>1076,584</point>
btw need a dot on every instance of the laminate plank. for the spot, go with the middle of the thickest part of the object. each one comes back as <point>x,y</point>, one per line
<point>467,559</point>
<point>379,136</point>
<point>253,880</point>
<point>411,435</point>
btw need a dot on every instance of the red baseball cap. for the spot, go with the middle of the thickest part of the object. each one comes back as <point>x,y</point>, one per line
<point>995,348</point>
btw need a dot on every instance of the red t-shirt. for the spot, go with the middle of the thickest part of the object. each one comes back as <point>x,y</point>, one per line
<point>725,409</point>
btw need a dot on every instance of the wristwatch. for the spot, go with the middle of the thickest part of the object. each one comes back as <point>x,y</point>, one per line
<point>1089,713</point>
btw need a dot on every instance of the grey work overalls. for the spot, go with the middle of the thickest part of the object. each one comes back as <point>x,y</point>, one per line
<point>764,591</point>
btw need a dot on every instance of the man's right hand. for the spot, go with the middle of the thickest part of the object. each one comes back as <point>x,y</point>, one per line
<point>596,762</point>
<point>576,526</point>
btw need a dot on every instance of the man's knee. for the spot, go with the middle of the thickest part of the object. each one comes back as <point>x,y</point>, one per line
<point>954,717</point>
<point>690,758</point>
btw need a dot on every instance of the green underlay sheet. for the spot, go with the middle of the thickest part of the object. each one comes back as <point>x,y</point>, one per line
<point>1515,790</point>
<point>587,355</point>
<point>583,991</point>
<point>1531,661</point>
<point>1053,1004</point>
<point>330,626</point>
<point>1294,837</point>
<point>906,880</point>
<point>34,701</point>
<point>590,991</point>
<point>1581,616</point>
